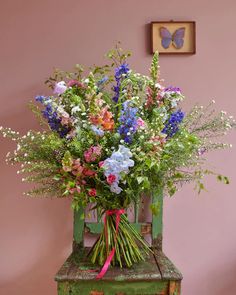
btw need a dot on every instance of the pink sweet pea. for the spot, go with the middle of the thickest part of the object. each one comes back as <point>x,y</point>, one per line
<point>75,189</point>
<point>100,164</point>
<point>140,122</point>
<point>92,153</point>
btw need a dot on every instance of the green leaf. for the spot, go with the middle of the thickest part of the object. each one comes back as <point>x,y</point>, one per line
<point>140,179</point>
<point>57,177</point>
<point>67,161</point>
<point>146,183</point>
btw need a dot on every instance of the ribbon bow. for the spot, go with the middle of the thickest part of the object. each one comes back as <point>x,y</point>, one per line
<point>118,213</point>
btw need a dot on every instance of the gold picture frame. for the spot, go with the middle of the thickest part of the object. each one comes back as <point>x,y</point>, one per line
<point>173,37</point>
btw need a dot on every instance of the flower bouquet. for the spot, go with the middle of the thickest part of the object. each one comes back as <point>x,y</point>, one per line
<point>111,136</point>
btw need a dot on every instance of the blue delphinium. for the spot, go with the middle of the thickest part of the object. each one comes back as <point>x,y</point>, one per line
<point>97,131</point>
<point>101,82</point>
<point>119,71</point>
<point>128,120</point>
<point>172,124</point>
<point>119,162</point>
<point>42,98</point>
<point>51,115</point>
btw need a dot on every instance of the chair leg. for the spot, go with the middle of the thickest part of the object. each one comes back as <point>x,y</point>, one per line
<point>174,288</point>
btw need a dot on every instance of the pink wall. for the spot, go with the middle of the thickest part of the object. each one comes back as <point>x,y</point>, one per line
<point>36,234</point>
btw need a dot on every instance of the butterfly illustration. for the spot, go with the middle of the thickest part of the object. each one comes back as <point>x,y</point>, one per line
<point>177,38</point>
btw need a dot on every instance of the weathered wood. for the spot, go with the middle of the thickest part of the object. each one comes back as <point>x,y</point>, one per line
<point>167,269</point>
<point>113,288</point>
<point>174,288</point>
<point>79,268</point>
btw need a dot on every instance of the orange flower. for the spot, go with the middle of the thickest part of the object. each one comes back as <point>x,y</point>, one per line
<point>104,119</point>
<point>107,121</point>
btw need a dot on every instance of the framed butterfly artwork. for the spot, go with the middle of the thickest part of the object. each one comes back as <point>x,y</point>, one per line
<point>174,37</point>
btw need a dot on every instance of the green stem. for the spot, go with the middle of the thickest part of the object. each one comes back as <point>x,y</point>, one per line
<point>130,247</point>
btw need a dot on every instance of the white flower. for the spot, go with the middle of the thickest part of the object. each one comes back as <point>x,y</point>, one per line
<point>75,110</point>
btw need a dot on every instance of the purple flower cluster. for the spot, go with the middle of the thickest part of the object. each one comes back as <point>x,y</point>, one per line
<point>42,98</point>
<point>122,69</point>
<point>128,120</point>
<point>172,89</point>
<point>171,126</point>
<point>49,113</point>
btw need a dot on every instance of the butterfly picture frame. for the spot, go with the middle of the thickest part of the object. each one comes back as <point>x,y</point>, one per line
<point>173,37</point>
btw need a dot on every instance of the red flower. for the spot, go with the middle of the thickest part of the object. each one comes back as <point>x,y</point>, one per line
<point>89,172</point>
<point>72,83</point>
<point>111,178</point>
<point>92,192</point>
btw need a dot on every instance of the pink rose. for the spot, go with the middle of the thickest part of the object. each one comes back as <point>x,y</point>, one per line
<point>111,178</point>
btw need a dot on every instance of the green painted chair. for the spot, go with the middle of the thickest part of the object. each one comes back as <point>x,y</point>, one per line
<point>157,275</point>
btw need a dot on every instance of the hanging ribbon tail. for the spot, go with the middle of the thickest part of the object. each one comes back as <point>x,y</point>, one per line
<point>117,212</point>
<point>106,265</point>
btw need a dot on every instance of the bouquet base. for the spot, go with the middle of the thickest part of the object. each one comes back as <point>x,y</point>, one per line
<point>119,243</point>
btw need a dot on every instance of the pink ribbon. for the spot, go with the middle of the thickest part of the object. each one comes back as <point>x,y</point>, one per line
<point>107,263</point>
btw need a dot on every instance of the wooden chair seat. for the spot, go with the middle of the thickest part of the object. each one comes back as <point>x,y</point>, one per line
<point>156,276</point>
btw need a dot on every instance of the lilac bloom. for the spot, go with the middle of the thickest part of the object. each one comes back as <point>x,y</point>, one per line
<point>60,88</point>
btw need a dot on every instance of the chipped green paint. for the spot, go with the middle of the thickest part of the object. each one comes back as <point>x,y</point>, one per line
<point>113,288</point>
<point>94,228</point>
<point>79,226</point>
<point>157,223</point>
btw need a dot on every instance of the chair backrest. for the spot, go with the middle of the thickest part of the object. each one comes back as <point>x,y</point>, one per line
<point>153,228</point>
